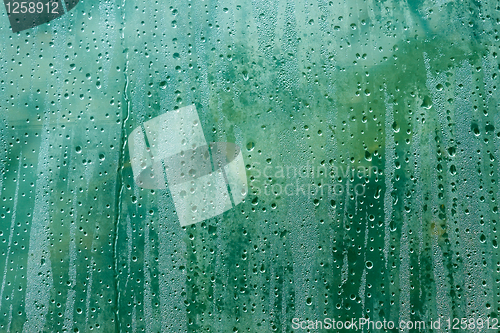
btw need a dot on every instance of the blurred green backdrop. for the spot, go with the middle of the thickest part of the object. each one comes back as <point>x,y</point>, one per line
<point>383,115</point>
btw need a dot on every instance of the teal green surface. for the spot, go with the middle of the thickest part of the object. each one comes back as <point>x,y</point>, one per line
<point>381,117</point>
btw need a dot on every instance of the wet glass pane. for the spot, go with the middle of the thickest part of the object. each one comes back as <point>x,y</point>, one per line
<point>252,166</point>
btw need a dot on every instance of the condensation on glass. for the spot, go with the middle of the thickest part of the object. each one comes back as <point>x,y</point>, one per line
<point>369,137</point>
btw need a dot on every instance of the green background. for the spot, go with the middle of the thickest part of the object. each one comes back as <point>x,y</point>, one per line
<point>404,89</point>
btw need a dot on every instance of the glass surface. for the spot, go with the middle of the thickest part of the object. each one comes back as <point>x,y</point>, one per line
<point>250,166</point>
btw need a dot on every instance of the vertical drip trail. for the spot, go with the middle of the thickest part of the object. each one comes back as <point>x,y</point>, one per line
<point>389,174</point>
<point>148,309</point>
<point>39,269</point>
<point>70,299</point>
<point>12,227</point>
<point>119,180</point>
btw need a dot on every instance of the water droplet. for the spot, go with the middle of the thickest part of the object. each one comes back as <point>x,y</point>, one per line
<point>427,102</point>
<point>475,129</point>
<point>482,239</point>
<point>368,156</point>
<point>395,127</point>
<point>245,75</point>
